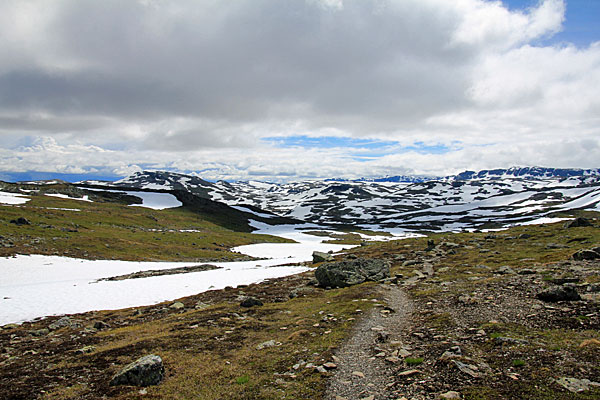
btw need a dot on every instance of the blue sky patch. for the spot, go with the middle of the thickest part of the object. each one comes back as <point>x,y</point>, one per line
<point>581,26</point>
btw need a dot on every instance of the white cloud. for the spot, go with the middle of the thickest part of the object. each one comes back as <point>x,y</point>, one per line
<point>196,85</point>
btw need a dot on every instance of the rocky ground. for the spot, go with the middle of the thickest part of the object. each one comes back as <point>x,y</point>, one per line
<point>462,316</point>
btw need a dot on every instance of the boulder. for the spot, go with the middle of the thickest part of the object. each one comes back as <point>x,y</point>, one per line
<point>578,222</point>
<point>588,254</point>
<point>559,293</point>
<point>251,302</point>
<point>352,272</point>
<point>20,221</point>
<point>319,256</point>
<point>505,270</point>
<point>146,371</point>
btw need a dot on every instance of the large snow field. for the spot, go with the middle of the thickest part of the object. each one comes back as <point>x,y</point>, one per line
<point>37,286</point>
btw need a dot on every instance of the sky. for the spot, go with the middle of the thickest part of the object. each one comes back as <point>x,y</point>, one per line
<point>297,89</point>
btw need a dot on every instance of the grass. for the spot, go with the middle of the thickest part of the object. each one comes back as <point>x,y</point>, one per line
<point>212,353</point>
<point>111,230</point>
<point>413,361</point>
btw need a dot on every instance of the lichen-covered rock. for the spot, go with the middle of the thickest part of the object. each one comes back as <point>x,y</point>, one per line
<point>146,371</point>
<point>319,256</point>
<point>352,272</point>
<point>64,322</point>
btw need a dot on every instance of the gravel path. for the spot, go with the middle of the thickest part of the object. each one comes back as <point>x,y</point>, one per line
<point>365,363</point>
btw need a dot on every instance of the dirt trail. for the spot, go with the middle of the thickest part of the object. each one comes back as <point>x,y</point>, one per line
<point>363,371</point>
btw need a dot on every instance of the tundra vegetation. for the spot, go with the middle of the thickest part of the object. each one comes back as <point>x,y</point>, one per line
<point>476,326</point>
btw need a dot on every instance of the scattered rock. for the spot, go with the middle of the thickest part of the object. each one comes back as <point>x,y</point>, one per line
<point>100,325</point>
<point>526,271</point>
<point>577,222</point>
<point>330,365</point>
<point>177,305</point>
<point>559,293</point>
<point>146,371</point>
<point>20,221</point>
<point>409,372</point>
<point>267,344</point>
<point>450,395</point>
<point>524,236</point>
<point>251,302</point>
<point>468,369</point>
<point>453,352</point>
<point>319,256</point>
<point>85,350</point>
<point>508,340</point>
<point>62,323</point>
<point>40,332</point>
<point>576,385</point>
<point>352,272</point>
<point>201,305</point>
<point>358,373</point>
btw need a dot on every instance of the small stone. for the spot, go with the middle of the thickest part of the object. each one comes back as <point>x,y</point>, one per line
<point>392,359</point>
<point>40,332</point>
<point>409,372</point>
<point>177,305</point>
<point>267,344</point>
<point>85,350</point>
<point>201,305</point>
<point>358,373</point>
<point>100,325</point>
<point>330,365</point>
<point>321,369</point>
<point>371,397</point>
<point>450,395</point>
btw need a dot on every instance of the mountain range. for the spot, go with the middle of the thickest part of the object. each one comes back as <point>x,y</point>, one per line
<point>470,200</point>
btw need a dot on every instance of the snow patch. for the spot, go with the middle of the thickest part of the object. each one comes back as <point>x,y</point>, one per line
<point>13,198</point>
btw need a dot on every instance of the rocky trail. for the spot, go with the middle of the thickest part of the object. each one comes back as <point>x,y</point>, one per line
<point>365,361</point>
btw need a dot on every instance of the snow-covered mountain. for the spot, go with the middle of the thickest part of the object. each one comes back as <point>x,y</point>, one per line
<point>484,199</point>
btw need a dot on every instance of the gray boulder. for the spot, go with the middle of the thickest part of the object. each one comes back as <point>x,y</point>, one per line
<point>352,272</point>
<point>251,302</point>
<point>146,371</point>
<point>559,293</point>
<point>319,256</point>
<point>578,222</point>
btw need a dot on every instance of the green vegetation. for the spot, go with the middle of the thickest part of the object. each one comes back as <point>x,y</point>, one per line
<point>108,229</point>
<point>413,361</point>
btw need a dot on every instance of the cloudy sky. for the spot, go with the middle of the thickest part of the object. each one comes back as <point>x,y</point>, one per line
<point>283,90</point>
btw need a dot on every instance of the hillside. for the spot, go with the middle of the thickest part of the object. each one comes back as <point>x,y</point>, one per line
<point>470,323</point>
<point>66,220</point>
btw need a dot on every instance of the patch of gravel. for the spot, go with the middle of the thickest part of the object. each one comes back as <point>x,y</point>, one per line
<point>362,369</point>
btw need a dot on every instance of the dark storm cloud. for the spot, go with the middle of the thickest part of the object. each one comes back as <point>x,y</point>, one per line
<point>245,61</point>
